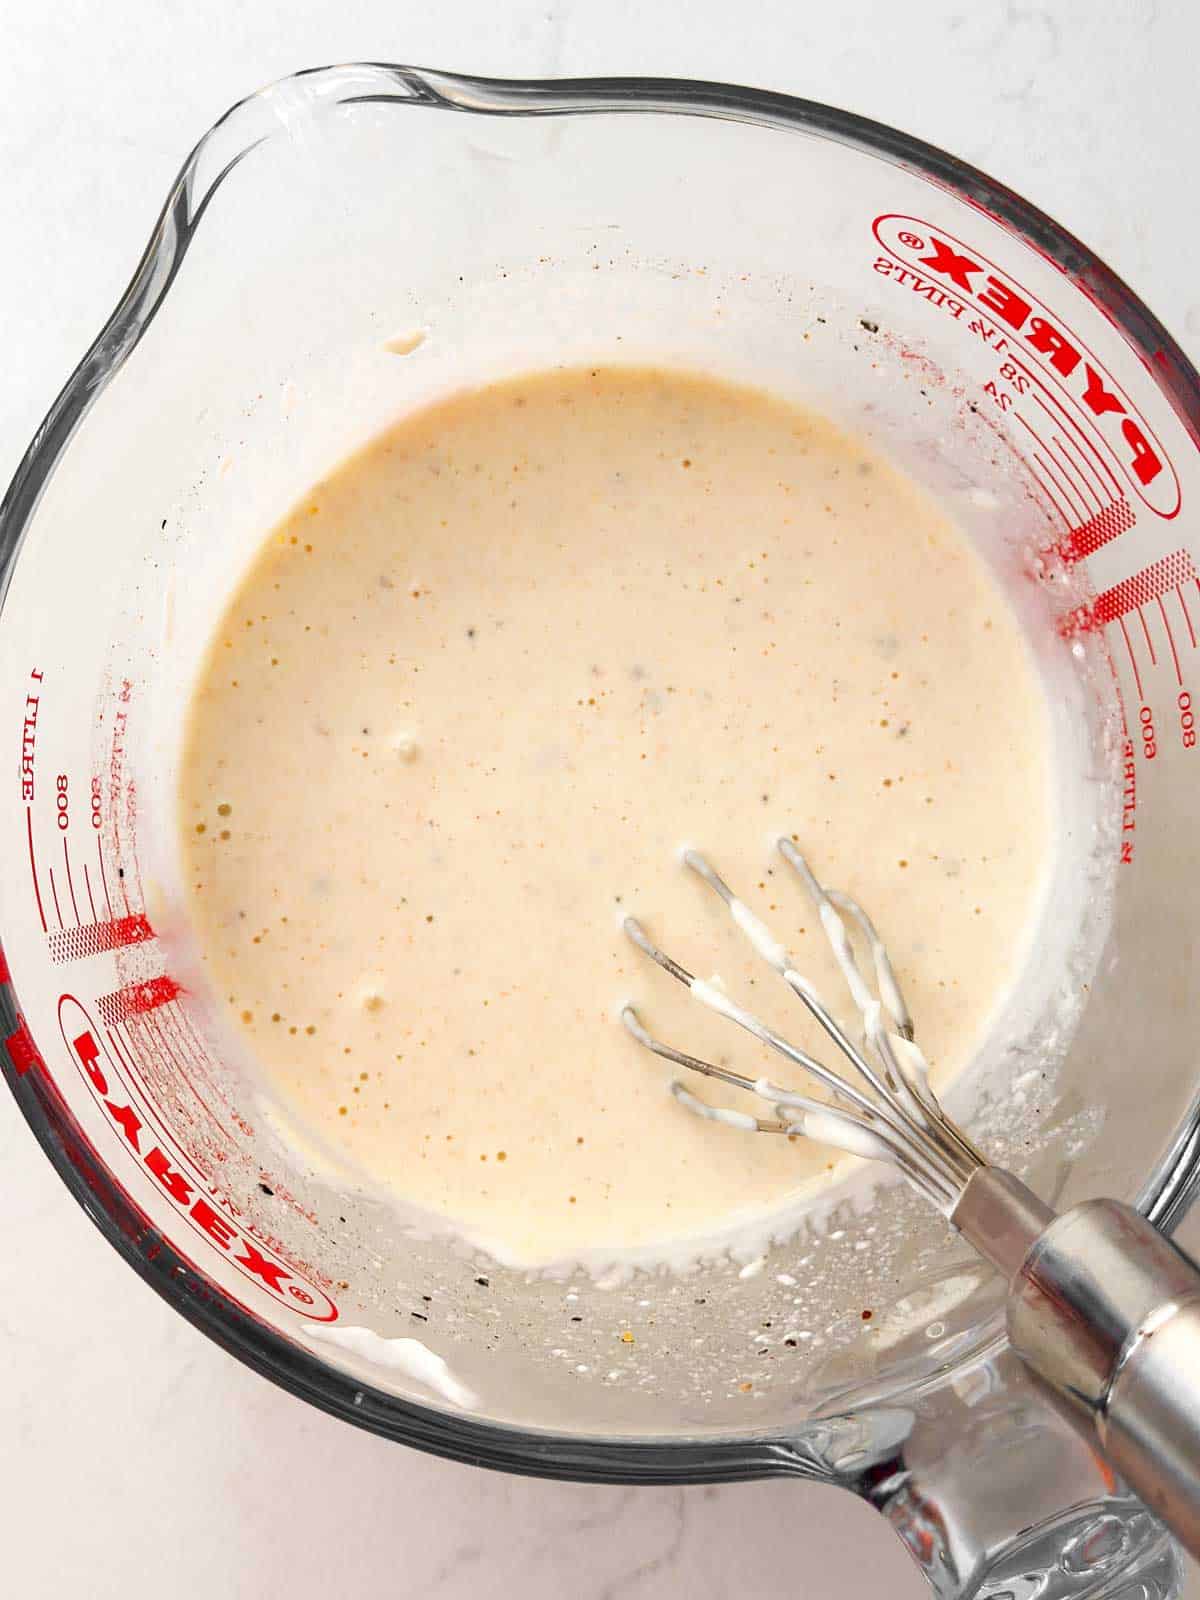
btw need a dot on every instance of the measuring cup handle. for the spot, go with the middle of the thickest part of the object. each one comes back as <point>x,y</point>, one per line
<point>1106,1311</point>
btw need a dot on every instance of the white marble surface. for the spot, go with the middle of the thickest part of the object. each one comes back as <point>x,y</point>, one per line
<point>136,1459</point>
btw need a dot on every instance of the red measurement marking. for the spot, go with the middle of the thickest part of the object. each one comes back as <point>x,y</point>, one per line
<point>198,1052</point>
<point>1069,364</point>
<point>150,1025</point>
<point>1072,513</point>
<point>126,1056</point>
<point>176,1176</point>
<point>189,1029</point>
<point>196,1048</point>
<point>1096,532</point>
<point>136,999</point>
<point>166,1134</point>
<point>1040,479</point>
<point>103,878</point>
<point>1137,677</point>
<point>5,975</point>
<point>124,1052</point>
<point>1078,507</point>
<point>1079,501</point>
<point>1078,479</point>
<point>33,866</point>
<point>70,880</point>
<point>1171,641</point>
<point>96,938</point>
<point>1186,618</point>
<point>22,1051</point>
<point>1159,578</point>
<point>1068,417</point>
<point>127,1060</point>
<point>1149,641</point>
<point>187,1045</point>
<point>87,884</point>
<point>54,892</point>
<point>1079,459</point>
<point>114,1039</point>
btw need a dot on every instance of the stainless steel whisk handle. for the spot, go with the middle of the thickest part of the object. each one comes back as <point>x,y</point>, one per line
<point>1106,1311</point>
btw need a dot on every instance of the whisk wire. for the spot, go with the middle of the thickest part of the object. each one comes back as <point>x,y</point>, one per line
<point>811,1118</point>
<point>900,1120</point>
<point>897,1091</point>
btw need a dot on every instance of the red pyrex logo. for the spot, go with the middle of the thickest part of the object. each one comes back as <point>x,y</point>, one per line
<point>1131,442</point>
<point>187,1192</point>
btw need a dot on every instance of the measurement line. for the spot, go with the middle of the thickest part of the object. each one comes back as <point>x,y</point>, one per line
<point>188,1022</point>
<point>1071,468</point>
<point>1171,642</point>
<point>186,1045</point>
<point>124,1054</point>
<point>87,883</point>
<point>33,867</point>
<point>1078,507</point>
<point>151,1024</point>
<point>165,1131</point>
<point>1056,422</point>
<point>1050,496</point>
<point>120,1054</point>
<point>1146,631</point>
<point>201,1056</point>
<point>103,878</point>
<point>1186,618</point>
<point>1041,482</point>
<point>1068,517</point>
<point>54,892</point>
<point>138,1079</point>
<point>124,1051</point>
<point>1137,677</point>
<point>199,1169</point>
<point>71,882</point>
<point>1079,501</point>
<point>1087,470</point>
<point>1034,378</point>
<point>188,1029</point>
<point>137,1065</point>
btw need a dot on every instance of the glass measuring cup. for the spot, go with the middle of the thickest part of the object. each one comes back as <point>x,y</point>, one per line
<point>313,234</point>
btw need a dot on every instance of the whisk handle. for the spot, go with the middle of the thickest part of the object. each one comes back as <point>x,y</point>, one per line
<point>1107,1312</point>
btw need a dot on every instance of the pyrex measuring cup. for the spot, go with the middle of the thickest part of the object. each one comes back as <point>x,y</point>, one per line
<point>271,326</point>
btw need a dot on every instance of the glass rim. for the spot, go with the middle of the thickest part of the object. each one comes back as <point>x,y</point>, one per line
<point>248,124</point>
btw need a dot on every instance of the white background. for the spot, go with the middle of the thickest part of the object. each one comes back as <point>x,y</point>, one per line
<point>135,1458</point>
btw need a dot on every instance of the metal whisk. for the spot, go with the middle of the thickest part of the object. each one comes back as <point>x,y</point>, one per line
<point>1102,1307</point>
<point>898,1118</point>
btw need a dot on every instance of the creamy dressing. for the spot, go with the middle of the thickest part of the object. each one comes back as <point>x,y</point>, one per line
<point>452,727</point>
<point>407,1356</point>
